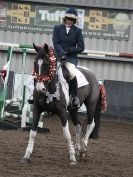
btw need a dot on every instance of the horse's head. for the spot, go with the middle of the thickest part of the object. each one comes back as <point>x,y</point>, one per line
<point>44,67</point>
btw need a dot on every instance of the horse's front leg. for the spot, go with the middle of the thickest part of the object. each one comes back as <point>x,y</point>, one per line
<point>77,125</point>
<point>32,136</point>
<point>78,138</point>
<point>67,136</point>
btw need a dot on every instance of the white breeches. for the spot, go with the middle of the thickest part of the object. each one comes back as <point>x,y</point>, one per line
<point>71,68</point>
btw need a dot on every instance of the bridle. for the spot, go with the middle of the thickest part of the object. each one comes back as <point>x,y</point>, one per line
<point>52,69</point>
<point>48,78</point>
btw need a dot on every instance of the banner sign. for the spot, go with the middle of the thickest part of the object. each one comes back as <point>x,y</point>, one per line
<point>107,24</point>
<point>96,23</point>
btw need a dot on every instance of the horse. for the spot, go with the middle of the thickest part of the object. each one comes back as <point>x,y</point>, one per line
<point>49,95</point>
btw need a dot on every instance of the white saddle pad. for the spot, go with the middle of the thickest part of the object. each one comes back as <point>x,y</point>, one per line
<point>80,78</point>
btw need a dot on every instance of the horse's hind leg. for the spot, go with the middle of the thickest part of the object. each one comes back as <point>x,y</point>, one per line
<point>32,136</point>
<point>89,126</point>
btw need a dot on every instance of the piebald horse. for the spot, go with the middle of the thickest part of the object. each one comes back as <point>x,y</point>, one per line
<point>50,95</point>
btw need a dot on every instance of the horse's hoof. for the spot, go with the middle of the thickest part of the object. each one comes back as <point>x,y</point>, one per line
<point>83,154</point>
<point>23,160</point>
<point>73,163</point>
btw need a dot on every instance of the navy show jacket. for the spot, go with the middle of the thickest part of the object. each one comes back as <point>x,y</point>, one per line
<point>71,41</point>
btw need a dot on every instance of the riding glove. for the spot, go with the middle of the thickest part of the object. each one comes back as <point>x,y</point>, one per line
<point>63,58</point>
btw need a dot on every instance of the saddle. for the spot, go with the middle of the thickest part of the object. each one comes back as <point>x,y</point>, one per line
<point>64,76</point>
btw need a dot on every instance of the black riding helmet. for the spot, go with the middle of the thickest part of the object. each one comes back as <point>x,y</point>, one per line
<point>72,14</point>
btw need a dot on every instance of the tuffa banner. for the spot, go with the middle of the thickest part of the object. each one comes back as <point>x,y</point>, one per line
<point>96,23</point>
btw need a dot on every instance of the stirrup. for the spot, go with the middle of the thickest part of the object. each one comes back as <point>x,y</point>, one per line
<point>75,103</point>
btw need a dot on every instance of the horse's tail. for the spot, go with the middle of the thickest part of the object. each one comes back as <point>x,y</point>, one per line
<point>100,107</point>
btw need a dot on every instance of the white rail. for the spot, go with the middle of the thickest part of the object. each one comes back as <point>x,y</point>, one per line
<point>27,47</point>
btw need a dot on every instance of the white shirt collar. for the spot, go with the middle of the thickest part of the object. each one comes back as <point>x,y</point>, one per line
<point>67,29</point>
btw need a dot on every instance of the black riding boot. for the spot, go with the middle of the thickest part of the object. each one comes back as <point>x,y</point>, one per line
<point>74,101</point>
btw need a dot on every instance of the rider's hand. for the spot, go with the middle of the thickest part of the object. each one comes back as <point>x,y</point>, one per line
<point>67,51</point>
<point>63,58</point>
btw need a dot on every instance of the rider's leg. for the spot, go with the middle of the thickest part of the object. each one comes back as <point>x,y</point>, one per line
<point>73,85</point>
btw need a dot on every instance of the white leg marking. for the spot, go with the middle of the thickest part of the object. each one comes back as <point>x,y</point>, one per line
<point>67,136</point>
<point>25,111</point>
<point>30,144</point>
<point>78,134</point>
<point>89,130</point>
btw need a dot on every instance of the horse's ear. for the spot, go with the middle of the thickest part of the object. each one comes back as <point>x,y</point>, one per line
<point>46,47</point>
<point>35,47</point>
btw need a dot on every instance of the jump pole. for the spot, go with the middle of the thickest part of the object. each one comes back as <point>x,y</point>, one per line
<point>3,94</point>
<point>25,114</point>
<point>6,124</point>
<point>104,54</point>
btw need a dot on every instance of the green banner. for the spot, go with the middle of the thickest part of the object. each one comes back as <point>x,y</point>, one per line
<point>96,23</point>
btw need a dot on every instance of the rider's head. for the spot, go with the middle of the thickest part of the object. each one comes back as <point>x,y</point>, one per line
<point>70,17</point>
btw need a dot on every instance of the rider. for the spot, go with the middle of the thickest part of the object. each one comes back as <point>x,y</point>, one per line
<point>68,42</point>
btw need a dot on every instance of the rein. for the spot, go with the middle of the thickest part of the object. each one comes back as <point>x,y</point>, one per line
<point>51,73</point>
